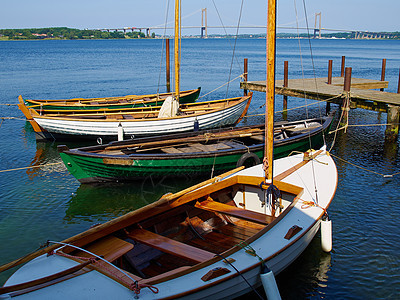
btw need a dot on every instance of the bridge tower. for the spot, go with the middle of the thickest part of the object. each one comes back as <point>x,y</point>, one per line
<point>315,26</point>
<point>204,22</point>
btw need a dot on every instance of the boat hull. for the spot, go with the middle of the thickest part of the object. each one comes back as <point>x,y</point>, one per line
<point>90,167</point>
<point>64,128</point>
<point>272,245</point>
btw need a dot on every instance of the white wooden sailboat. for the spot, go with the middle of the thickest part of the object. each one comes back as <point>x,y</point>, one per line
<point>198,243</point>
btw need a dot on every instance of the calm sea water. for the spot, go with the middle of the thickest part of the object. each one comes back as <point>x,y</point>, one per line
<point>47,202</point>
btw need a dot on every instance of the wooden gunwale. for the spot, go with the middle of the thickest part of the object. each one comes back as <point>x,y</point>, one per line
<point>138,109</point>
<point>35,114</point>
<point>116,224</point>
<point>141,147</point>
<point>208,135</point>
<point>87,101</point>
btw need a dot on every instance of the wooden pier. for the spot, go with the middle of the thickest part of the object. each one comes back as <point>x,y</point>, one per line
<point>356,92</point>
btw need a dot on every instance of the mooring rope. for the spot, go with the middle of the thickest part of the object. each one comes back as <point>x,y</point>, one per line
<point>365,169</point>
<point>293,108</point>
<point>11,118</point>
<point>364,125</point>
<point>240,76</point>
<point>31,167</point>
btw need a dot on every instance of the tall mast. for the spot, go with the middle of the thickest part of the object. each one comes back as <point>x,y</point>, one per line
<point>270,88</point>
<point>177,44</point>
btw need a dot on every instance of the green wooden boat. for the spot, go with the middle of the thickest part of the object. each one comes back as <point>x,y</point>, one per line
<point>128,101</point>
<point>196,153</point>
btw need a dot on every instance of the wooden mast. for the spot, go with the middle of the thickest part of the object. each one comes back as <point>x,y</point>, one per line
<point>177,47</point>
<point>270,89</point>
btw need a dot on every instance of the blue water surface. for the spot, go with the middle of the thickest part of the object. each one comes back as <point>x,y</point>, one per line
<point>46,202</point>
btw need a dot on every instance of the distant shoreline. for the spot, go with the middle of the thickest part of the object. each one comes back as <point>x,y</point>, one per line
<point>64,33</point>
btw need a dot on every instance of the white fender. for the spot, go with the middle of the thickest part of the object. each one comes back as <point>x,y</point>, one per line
<point>120,132</point>
<point>326,235</point>
<point>269,284</point>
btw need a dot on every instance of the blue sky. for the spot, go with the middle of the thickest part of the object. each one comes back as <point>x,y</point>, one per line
<point>366,15</point>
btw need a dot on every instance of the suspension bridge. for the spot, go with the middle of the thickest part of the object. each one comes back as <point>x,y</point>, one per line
<point>204,28</point>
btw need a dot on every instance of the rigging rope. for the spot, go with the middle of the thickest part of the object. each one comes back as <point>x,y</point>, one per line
<point>231,66</point>
<point>162,48</point>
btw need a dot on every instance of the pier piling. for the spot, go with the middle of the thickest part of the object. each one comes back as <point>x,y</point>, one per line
<point>398,84</point>
<point>330,63</point>
<point>342,67</point>
<point>392,127</point>
<point>285,84</point>
<point>365,94</point>
<point>347,80</point>
<point>346,100</point>
<point>245,71</point>
<point>168,74</point>
<point>383,71</point>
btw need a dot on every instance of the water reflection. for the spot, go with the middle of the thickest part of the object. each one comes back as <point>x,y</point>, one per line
<point>46,160</point>
<point>308,275</point>
<point>101,202</point>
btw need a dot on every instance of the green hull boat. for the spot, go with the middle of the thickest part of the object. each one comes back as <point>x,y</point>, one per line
<point>196,153</point>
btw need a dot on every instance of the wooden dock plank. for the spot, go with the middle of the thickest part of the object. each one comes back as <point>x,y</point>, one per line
<point>318,89</point>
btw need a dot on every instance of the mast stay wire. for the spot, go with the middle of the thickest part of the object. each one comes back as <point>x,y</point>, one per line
<point>163,43</point>
<point>231,66</point>
<point>314,74</point>
<point>226,33</point>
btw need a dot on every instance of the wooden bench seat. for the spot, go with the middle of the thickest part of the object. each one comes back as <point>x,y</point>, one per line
<point>170,246</point>
<point>234,211</point>
<point>110,247</point>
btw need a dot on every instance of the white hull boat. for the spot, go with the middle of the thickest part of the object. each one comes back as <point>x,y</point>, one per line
<point>190,244</point>
<point>140,121</point>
